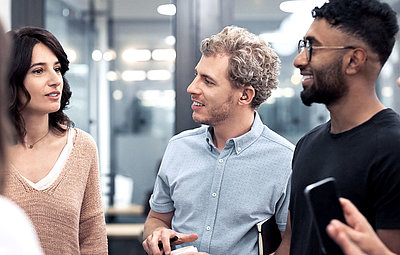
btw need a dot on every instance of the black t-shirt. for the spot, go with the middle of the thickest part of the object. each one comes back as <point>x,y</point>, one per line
<point>366,164</point>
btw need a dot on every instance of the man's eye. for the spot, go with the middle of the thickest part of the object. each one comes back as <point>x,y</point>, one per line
<point>208,81</point>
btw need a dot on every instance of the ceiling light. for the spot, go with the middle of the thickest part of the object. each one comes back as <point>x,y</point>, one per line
<point>170,40</point>
<point>159,75</point>
<point>157,98</point>
<point>291,6</point>
<point>132,55</point>
<point>109,55</point>
<point>97,55</point>
<point>133,75</point>
<point>71,54</point>
<point>166,9</point>
<point>296,77</point>
<point>112,76</point>
<point>117,95</point>
<point>163,54</point>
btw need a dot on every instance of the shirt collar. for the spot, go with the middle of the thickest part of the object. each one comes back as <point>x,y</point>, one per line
<point>242,142</point>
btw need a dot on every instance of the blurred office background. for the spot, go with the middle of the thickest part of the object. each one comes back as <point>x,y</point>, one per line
<point>131,62</point>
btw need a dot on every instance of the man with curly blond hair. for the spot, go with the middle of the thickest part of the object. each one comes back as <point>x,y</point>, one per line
<point>218,181</point>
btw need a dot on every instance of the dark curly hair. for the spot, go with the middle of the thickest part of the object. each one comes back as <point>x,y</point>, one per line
<point>371,21</point>
<point>23,41</point>
<point>252,60</point>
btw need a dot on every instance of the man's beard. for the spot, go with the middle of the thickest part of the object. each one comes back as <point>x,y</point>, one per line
<point>328,85</point>
<point>217,113</point>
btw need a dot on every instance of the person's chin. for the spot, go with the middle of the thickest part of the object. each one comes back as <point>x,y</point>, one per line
<point>199,120</point>
<point>306,99</point>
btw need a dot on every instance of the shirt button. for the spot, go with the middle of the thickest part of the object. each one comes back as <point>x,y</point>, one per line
<point>239,148</point>
<point>214,194</point>
<point>220,160</point>
<point>208,228</point>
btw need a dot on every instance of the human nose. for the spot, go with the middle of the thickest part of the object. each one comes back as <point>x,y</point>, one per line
<point>55,78</point>
<point>301,59</point>
<point>193,88</point>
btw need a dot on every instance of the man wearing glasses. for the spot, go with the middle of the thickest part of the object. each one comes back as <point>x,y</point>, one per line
<point>340,59</point>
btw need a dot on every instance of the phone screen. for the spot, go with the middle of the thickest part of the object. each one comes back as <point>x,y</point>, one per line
<point>323,201</point>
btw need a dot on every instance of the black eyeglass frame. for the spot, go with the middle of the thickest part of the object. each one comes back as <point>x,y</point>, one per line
<point>305,43</point>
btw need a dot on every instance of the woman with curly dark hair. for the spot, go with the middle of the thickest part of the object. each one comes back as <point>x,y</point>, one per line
<point>53,173</point>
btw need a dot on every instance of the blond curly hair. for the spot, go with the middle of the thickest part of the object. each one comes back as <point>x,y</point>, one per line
<point>252,60</point>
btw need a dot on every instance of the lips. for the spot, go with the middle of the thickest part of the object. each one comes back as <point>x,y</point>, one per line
<point>307,79</point>
<point>53,94</point>
<point>197,104</point>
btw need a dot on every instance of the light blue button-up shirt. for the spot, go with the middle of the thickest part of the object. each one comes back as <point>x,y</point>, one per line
<point>221,196</point>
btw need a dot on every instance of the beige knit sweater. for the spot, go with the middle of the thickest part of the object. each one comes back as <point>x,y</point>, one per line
<point>68,216</point>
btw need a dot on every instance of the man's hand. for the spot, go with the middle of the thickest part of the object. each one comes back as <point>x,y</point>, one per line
<point>358,238</point>
<point>163,235</point>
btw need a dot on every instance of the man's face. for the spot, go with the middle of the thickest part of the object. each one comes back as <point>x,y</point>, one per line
<point>214,98</point>
<point>323,77</point>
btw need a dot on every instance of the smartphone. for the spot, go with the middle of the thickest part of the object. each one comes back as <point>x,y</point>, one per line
<point>323,201</point>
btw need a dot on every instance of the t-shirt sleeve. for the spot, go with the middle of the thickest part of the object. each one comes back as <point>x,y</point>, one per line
<point>385,182</point>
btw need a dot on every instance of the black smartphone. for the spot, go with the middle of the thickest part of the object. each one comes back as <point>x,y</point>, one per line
<point>323,201</point>
<point>171,240</point>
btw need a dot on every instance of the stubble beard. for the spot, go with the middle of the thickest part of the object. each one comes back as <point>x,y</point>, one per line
<point>216,114</point>
<point>328,87</point>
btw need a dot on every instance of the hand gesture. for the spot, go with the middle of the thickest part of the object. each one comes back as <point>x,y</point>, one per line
<point>159,241</point>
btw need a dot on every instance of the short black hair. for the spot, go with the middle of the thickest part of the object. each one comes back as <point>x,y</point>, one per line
<point>23,41</point>
<point>371,21</point>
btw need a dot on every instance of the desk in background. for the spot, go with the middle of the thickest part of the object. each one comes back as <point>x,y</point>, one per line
<point>133,230</point>
<point>125,210</point>
<point>125,230</point>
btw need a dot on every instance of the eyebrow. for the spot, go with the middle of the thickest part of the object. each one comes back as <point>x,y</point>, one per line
<point>42,63</point>
<point>205,76</point>
<point>312,39</point>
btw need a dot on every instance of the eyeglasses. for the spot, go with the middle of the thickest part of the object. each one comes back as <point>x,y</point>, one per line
<point>305,43</point>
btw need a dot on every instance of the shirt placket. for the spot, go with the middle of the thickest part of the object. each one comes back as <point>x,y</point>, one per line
<point>213,199</point>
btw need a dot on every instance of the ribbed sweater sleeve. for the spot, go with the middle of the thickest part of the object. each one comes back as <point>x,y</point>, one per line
<point>92,232</point>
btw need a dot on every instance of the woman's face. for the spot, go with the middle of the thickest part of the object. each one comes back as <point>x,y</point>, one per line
<point>43,81</point>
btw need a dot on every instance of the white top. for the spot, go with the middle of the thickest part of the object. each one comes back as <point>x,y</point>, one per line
<point>17,235</point>
<point>58,166</point>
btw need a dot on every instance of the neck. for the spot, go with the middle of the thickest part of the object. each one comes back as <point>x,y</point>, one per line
<point>235,127</point>
<point>36,128</point>
<point>354,109</point>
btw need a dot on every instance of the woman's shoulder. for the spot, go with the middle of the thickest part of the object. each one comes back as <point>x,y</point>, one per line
<point>83,138</point>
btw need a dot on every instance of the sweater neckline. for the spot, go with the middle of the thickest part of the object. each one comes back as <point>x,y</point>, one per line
<point>51,187</point>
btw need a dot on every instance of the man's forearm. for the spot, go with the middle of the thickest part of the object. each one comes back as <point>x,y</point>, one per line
<point>284,248</point>
<point>156,221</point>
<point>152,224</point>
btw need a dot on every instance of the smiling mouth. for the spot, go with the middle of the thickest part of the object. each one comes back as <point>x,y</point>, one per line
<point>197,104</point>
<point>53,94</point>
